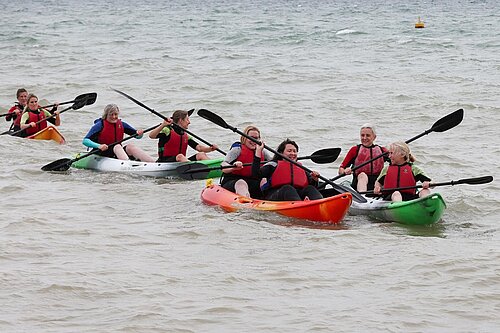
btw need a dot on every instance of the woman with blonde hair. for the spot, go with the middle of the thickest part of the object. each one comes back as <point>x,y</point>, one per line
<point>109,129</point>
<point>35,118</point>
<point>239,179</point>
<point>401,173</point>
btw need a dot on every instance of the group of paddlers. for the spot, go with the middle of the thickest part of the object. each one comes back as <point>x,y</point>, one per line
<point>254,173</point>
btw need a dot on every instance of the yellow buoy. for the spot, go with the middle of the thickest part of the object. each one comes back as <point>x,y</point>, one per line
<point>419,24</point>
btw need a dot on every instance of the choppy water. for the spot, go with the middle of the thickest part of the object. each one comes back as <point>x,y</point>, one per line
<point>91,252</point>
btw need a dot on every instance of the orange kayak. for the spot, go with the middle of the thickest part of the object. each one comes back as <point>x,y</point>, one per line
<point>48,133</point>
<point>329,210</point>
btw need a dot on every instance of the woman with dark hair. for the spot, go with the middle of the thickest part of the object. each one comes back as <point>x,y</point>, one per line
<point>285,181</point>
<point>173,140</point>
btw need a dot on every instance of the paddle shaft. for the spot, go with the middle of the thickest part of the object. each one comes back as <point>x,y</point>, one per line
<point>7,114</point>
<point>41,107</point>
<point>165,118</point>
<point>52,105</point>
<point>222,167</point>
<point>88,97</point>
<point>447,122</point>
<point>205,169</point>
<point>470,181</point>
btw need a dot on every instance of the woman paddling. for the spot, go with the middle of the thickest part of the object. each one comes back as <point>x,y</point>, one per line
<point>173,140</point>
<point>15,112</point>
<point>364,177</point>
<point>34,118</point>
<point>400,173</point>
<point>286,181</point>
<point>239,179</point>
<point>109,129</point>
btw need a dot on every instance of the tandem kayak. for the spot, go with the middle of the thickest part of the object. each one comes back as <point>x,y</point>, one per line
<point>48,133</point>
<point>328,210</point>
<point>421,211</point>
<point>151,169</point>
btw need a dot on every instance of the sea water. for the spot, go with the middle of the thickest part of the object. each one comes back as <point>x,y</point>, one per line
<point>83,251</point>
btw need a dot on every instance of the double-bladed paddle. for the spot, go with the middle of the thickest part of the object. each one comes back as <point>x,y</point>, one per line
<point>90,99</point>
<point>447,122</point>
<point>165,118</point>
<point>193,171</point>
<point>64,164</point>
<point>470,181</point>
<point>204,113</point>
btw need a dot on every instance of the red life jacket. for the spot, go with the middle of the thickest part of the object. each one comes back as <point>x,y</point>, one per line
<point>33,118</point>
<point>367,153</point>
<point>288,173</point>
<point>246,156</point>
<point>111,132</point>
<point>400,176</point>
<point>16,122</point>
<point>177,144</point>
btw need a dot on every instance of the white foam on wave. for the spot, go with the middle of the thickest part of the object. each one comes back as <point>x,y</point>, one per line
<point>346,32</point>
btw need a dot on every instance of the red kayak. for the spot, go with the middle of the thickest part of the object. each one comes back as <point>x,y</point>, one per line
<point>329,210</point>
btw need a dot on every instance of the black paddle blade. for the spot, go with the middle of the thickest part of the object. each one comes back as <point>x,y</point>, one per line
<point>193,171</point>
<point>327,155</point>
<point>210,116</point>
<point>89,98</point>
<point>475,181</point>
<point>79,103</point>
<point>449,121</point>
<point>62,164</point>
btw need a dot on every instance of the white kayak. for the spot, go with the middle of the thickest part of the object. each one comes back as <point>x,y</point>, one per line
<point>151,169</point>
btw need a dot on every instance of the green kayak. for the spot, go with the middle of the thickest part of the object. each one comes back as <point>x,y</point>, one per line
<point>421,211</point>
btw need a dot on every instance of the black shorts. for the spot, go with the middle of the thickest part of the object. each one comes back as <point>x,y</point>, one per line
<point>173,159</point>
<point>107,153</point>
<point>371,182</point>
<point>110,153</point>
<point>405,195</point>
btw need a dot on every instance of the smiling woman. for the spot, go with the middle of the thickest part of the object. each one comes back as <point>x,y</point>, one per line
<point>238,178</point>
<point>34,119</point>
<point>286,180</point>
<point>109,129</point>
